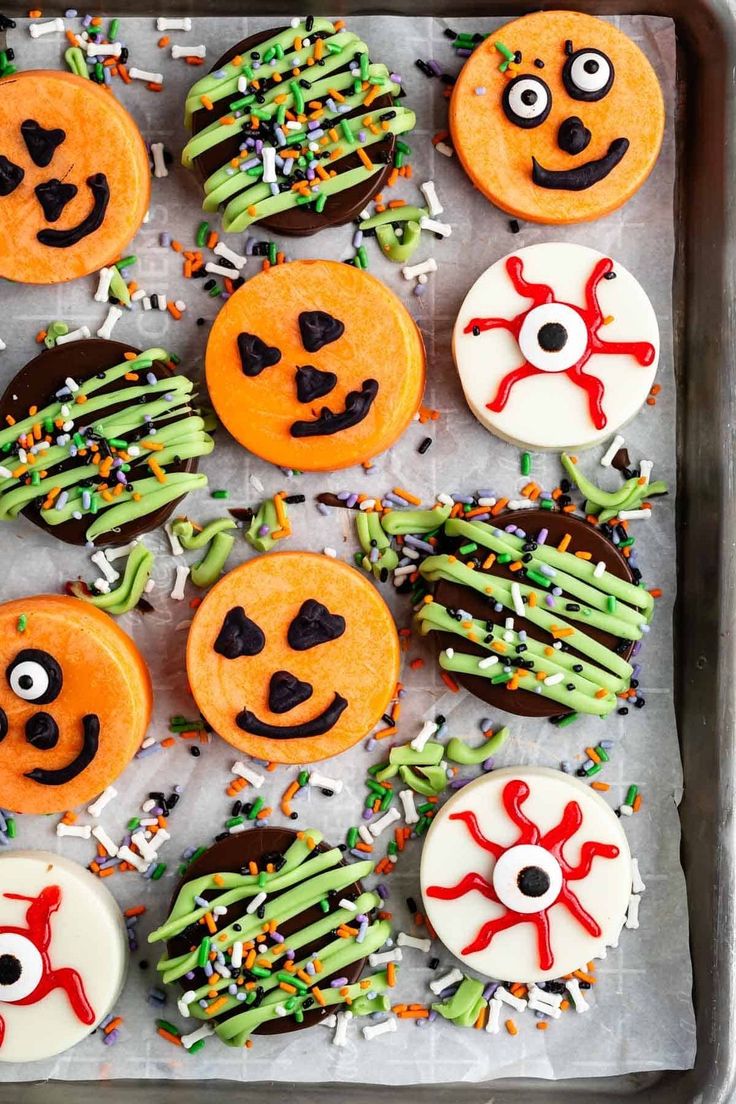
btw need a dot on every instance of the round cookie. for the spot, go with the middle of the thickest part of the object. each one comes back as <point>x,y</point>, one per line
<point>567,133</point>
<point>64,435</point>
<point>74,177</point>
<point>526,875</point>
<point>569,651</point>
<point>275,878</point>
<point>315,365</point>
<point>295,128</point>
<point>293,657</point>
<point>75,702</point>
<point>63,954</point>
<point>556,346</point>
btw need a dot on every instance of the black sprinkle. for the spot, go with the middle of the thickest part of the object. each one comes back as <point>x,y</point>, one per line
<point>539,63</point>
<point>426,443</point>
<point>195,752</point>
<point>623,711</point>
<point>433,963</point>
<point>293,500</point>
<point>411,905</point>
<point>568,47</point>
<point>514,227</point>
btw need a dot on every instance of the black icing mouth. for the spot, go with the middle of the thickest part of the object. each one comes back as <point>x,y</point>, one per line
<point>90,747</point>
<point>62,239</point>
<point>357,405</point>
<point>318,726</point>
<point>582,176</point>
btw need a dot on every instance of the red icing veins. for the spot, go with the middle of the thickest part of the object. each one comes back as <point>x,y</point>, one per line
<point>515,794</point>
<point>591,315</point>
<point>38,932</point>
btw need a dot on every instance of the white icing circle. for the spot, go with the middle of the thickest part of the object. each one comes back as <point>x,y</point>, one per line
<point>87,936</point>
<point>536,101</point>
<point>549,410</point>
<point>593,81</point>
<point>450,854</point>
<point>532,336</point>
<point>29,669</point>
<point>508,873</point>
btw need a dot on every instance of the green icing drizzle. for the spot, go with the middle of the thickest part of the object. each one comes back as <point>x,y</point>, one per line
<point>207,570</point>
<point>128,592</point>
<point>138,424</point>
<point>459,752</point>
<point>399,250</point>
<point>266,516</point>
<point>252,95</point>
<point>605,505</point>
<point>465,1005</point>
<point>372,536</point>
<point>400,522</point>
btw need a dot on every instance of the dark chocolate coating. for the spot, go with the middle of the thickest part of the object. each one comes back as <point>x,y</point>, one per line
<point>298,222</point>
<point>37,383</point>
<point>230,855</point>
<point>584,538</point>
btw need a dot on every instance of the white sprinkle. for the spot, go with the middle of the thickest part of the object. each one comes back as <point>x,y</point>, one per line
<point>494,1016</point>
<point>517,600</point>
<point>236,954</point>
<point>645,471</point>
<point>445,981</point>
<point>410,272</point>
<point>108,795</point>
<point>268,157</point>
<point>159,164</point>
<point>405,940</point>
<point>100,559</point>
<point>367,504</point>
<point>101,586</point>
<point>147,305</point>
<point>342,1021</point>
<point>103,285</point>
<point>163,23</point>
<point>135,860</point>
<point>383,957</point>
<point>632,913</point>
<point>114,314</point>
<point>203,1032</point>
<point>176,548</point>
<point>5,473</point>
<point>579,1002</point>
<point>330,552</point>
<point>504,995</point>
<point>144,75</point>
<point>427,731</point>
<point>159,839</point>
<point>442,228</point>
<point>118,553</point>
<point>248,774</point>
<point>82,831</point>
<point>162,300</point>
<point>486,662</point>
<point>402,572</point>
<point>322,782</point>
<point>371,1031</point>
<point>411,816</point>
<point>444,149</point>
<point>256,903</point>
<point>188,51</point>
<point>637,885</point>
<point>38,29</point>
<point>365,834</point>
<point>487,501</point>
<point>611,451</point>
<point>74,335</point>
<point>222,250</point>
<point>552,680</point>
<point>140,841</point>
<point>634,515</point>
<point>242,84</point>
<point>521,504</point>
<point>383,822</point>
<point>177,591</point>
<point>430,194</point>
<point>539,1000</point>
<point>102,837</point>
<point>349,905</point>
<point>104,49</point>
<point>219,270</point>
<point>139,294</point>
<point>600,569</point>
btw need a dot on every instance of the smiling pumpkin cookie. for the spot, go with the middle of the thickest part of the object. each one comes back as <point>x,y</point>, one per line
<point>315,365</point>
<point>74,177</point>
<point>75,701</point>
<point>293,657</point>
<point>557,117</point>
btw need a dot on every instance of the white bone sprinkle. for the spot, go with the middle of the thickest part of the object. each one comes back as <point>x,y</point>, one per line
<point>103,285</point>
<point>104,49</point>
<point>74,335</point>
<point>100,559</point>
<point>248,774</point>
<point>102,837</point>
<point>645,471</point>
<point>114,314</point>
<point>634,515</point>
<point>371,1031</point>
<point>426,732</point>
<point>176,548</point>
<point>322,782</point>
<point>144,75</point>
<point>429,192</point>
<point>405,940</point>
<point>383,957</point>
<point>218,270</point>
<point>148,852</point>
<point>203,1032</point>
<point>410,272</point>
<point>632,913</point>
<point>81,831</point>
<point>504,995</point>
<point>177,592</point>
<point>578,1000</point>
<point>159,163</point>
<point>383,822</point>
<point>188,51</point>
<point>637,885</point>
<point>611,451</point>
<point>118,553</point>
<point>342,1021</point>
<point>39,29</point>
<point>236,259</point>
<point>406,797</point>
<point>135,860</point>
<point>164,23</point>
<point>108,795</point>
<point>440,984</point>
<point>494,1016</point>
<point>442,228</point>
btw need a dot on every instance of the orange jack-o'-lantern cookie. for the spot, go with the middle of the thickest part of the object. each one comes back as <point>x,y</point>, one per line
<point>315,365</point>
<point>293,657</point>
<point>75,701</point>
<point>557,117</point>
<point>74,177</point>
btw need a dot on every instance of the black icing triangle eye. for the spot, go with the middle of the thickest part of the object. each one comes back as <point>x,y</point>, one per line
<point>239,636</point>
<point>313,384</point>
<point>53,197</point>
<point>10,176</point>
<point>319,328</point>
<point>40,143</point>
<point>313,625</point>
<point>255,354</point>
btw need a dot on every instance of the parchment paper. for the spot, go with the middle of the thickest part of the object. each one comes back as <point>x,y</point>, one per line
<point>642,1017</point>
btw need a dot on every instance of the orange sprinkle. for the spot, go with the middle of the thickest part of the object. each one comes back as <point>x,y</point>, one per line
<point>511,1027</point>
<point>563,545</point>
<point>206,103</point>
<point>449,682</point>
<point>168,1036</point>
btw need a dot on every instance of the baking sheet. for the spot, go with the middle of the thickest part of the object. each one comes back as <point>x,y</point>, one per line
<point>647,981</point>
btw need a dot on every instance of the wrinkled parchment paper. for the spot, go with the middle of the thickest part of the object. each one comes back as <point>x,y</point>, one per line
<point>648,980</point>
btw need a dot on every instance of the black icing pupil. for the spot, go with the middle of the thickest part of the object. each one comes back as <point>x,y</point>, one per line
<point>591,66</point>
<point>552,337</point>
<point>533,881</point>
<point>25,682</point>
<point>10,969</point>
<point>529,97</point>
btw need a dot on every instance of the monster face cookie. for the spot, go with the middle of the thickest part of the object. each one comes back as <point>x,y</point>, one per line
<point>556,346</point>
<point>526,873</point>
<point>557,117</point>
<point>315,365</point>
<point>75,701</point>
<point>74,177</point>
<point>63,954</point>
<point>293,657</point>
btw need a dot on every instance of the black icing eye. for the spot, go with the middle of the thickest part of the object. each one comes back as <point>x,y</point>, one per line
<point>34,676</point>
<point>311,383</point>
<point>10,176</point>
<point>527,101</point>
<point>255,354</point>
<point>239,636</point>
<point>3,724</point>
<point>588,75</point>
<point>42,731</point>
<point>313,625</point>
<point>319,328</point>
<point>40,143</point>
<point>53,197</point>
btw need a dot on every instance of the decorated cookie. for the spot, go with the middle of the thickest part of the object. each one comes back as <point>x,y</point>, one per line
<point>526,875</point>
<point>315,365</point>
<point>252,945</point>
<point>98,442</point>
<point>75,702</point>
<point>74,177</point>
<point>557,117</point>
<point>63,954</point>
<point>556,346</point>
<point>295,127</point>
<point>536,614</point>
<point>293,657</point>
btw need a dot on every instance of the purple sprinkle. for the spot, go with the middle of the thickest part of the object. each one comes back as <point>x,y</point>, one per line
<point>486,724</point>
<point>466,500</point>
<point>395,77</point>
<point>107,1020</point>
<point>112,1038</point>
<point>432,1016</point>
<point>150,750</point>
<point>351,501</point>
<point>420,289</point>
<point>336,983</point>
<point>542,536</point>
<point>550,601</point>
<point>458,783</point>
<point>435,67</point>
<point>367,814</point>
<point>462,52</point>
<point>490,989</point>
<point>277,937</point>
<point>488,764</point>
<point>190,975</point>
<point>520,534</point>
<point>383,891</point>
<point>357,239</point>
<point>263,530</point>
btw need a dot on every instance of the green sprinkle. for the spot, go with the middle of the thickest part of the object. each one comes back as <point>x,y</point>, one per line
<point>466,549</point>
<point>220,494</point>
<point>324,904</point>
<point>347,132</point>
<point>320,204</point>
<point>352,837</point>
<point>158,872</point>
<point>215,292</point>
<point>611,603</point>
<point>204,951</point>
<point>503,558</point>
<point>255,808</point>
<point>202,233</point>
<point>22,622</point>
<point>504,676</point>
<point>196,1046</point>
<point>298,1015</point>
<point>363,256</point>
<point>133,823</point>
<point>272,251</point>
<point>538,578</point>
<point>296,92</point>
<point>392,848</point>
<point>303,778</point>
<point>399,159</point>
<point>595,769</point>
<point>526,463</point>
<point>364,67</point>
<point>99,72</point>
<point>234,821</point>
<point>260,971</point>
<point>112,30</point>
<point>11,827</point>
<point>126,262</point>
<point>244,101</point>
<point>166,1026</point>
<point>403,148</point>
<point>567,720</point>
<point>631,795</point>
<point>547,504</point>
<point>601,753</point>
<point>262,878</point>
